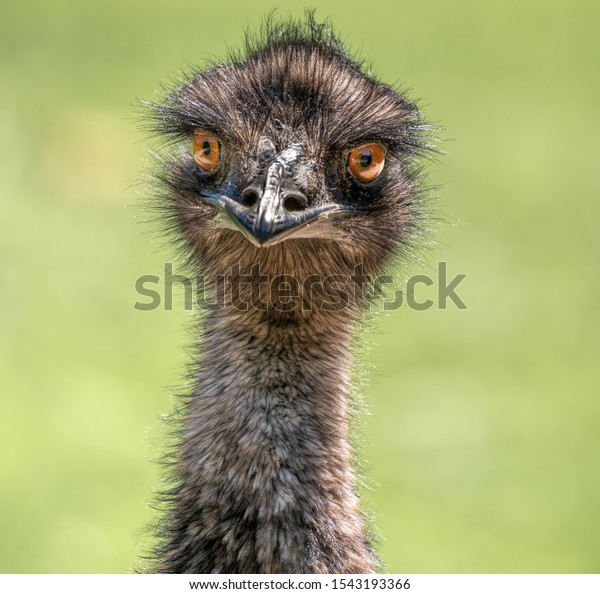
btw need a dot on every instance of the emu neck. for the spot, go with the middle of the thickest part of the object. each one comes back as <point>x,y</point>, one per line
<point>265,477</point>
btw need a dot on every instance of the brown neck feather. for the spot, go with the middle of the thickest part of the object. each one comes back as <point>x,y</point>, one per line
<point>264,477</point>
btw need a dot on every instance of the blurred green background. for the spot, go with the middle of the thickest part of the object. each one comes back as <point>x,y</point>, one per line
<point>483,442</point>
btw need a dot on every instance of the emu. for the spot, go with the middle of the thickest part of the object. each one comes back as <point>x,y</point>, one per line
<point>290,181</point>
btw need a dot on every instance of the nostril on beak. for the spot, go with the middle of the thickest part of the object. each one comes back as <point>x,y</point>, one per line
<point>250,196</point>
<point>295,202</point>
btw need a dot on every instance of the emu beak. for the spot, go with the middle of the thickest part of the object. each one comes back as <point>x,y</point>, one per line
<point>274,212</point>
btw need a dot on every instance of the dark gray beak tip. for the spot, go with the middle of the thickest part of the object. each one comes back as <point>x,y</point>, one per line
<point>262,232</point>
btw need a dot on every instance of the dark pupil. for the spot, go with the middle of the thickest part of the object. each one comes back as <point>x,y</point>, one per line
<point>365,159</point>
<point>206,147</point>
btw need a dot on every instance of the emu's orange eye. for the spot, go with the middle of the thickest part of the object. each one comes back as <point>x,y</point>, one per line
<point>206,150</point>
<point>366,162</point>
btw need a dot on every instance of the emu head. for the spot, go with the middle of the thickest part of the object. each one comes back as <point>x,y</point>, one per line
<point>290,156</point>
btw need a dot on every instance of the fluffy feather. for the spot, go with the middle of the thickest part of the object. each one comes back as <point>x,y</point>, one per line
<point>263,480</point>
